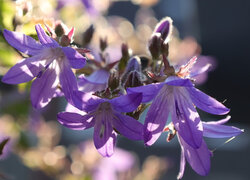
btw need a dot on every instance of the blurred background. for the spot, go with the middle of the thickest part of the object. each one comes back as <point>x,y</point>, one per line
<point>40,148</point>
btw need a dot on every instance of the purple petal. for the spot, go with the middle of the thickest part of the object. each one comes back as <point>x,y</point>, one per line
<point>157,116</point>
<point>186,119</point>
<point>182,164</point>
<point>221,122</point>
<point>73,109</point>
<point>220,131</point>
<point>86,101</point>
<point>176,81</point>
<point>97,81</point>
<point>76,60</point>
<point>200,71</point>
<point>24,71</point>
<point>127,103</point>
<point>75,121</point>
<point>104,137</point>
<point>128,126</point>
<point>43,88</point>
<point>44,38</point>
<point>23,43</point>
<point>199,159</point>
<point>67,80</point>
<point>206,103</point>
<point>148,91</point>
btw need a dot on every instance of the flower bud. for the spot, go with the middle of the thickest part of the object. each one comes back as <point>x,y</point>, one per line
<point>124,59</point>
<point>164,27</point>
<point>103,43</point>
<point>155,45</point>
<point>132,76</point>
<point>87,35</point>
<point>60,28</point>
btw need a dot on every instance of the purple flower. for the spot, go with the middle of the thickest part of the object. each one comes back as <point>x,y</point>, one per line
<point>98,80</point>
<point>176,97</point>
<point>199,159</point>
<point>105,115</point>
<point>50,65</point>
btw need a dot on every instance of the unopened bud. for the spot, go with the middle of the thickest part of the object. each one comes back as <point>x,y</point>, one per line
<point>164,49</point>
<point>155,44</point>
<point>132,76</point>
<point>60,29</point>
<point>164,27</point>
<point>87,35</point>
<point>113,81</point>
<point>125,50</point>
<point>124,59</point>
<point>103,43</point>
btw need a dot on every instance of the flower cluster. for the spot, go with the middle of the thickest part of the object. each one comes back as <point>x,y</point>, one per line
<point>112,93</point>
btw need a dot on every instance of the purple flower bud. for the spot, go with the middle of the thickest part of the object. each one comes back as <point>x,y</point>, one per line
<point>164,27</point>
<point>132,76</point>
<point>155,45</point>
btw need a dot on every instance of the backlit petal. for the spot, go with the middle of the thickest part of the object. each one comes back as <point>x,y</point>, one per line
<point>126,103</point>
<point>44,38</point>
<point>176,81</point>
<point>75,121</point>
<point>76,60</point>
<point>128,126</point>
<point>22,42</point>
<point>67,80</point>
<point>220,131</point>
<point>157,116</point>
<point>24,71</point>
<point>199,159</point>
<point>206,103</point>
<point>148,91</point>
<point>43,88</point>
<point>182,164</point>
<point>186,119</point>
<point>104,137</point>
<point>97,81</point>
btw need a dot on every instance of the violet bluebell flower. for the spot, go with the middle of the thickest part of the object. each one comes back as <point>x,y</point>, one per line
<point>98,80</point>
<point>199,159</point>
<point>50,64</point>
<point>176,97</point>
<point>105,115</point>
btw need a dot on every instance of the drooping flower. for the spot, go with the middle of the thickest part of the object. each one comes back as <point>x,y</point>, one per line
<point>176,97</point>
<point>50,64</point>
<point>199,159</point>
<point>105,115</point>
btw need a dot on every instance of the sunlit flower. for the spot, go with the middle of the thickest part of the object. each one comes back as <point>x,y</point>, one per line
<point>105,115</point>
<point>199,159</point>
<point>176,97</point>
<point>50,64</point>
